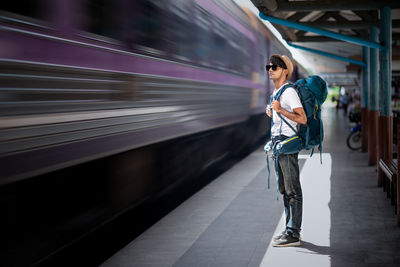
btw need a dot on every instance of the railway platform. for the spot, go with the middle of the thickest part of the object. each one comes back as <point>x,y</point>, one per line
<point>347,219</point>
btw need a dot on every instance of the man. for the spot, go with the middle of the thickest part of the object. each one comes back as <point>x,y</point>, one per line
<point>280,69</point>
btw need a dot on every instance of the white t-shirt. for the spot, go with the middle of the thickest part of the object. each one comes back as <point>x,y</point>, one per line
<point>289,100</point>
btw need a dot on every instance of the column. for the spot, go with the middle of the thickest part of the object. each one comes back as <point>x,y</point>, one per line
<point>373,100</point>
<point>365,100</point>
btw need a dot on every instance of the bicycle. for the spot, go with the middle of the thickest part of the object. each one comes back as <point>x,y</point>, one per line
<point>354,138</point>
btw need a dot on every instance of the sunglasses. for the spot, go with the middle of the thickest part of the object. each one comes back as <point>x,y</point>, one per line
<point>274,67</point>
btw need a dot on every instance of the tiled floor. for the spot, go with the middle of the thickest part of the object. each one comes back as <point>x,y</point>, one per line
<point>347,221</point>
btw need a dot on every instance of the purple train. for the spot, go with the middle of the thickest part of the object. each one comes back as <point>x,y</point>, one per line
<point>106,104</point>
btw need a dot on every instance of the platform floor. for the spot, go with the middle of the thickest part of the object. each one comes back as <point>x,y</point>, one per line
<point>347,219</point>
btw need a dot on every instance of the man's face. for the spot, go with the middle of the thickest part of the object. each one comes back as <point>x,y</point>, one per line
<point>275,72</point>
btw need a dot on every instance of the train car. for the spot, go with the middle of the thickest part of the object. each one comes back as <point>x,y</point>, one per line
<point>108,104</point>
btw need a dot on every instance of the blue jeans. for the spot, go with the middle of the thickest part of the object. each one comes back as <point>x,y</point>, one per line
<point>290,188</point>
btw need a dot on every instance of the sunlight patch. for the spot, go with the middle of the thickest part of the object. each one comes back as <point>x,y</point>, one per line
<point>315,234</point>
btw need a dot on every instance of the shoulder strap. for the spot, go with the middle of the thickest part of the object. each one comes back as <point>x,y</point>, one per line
<point>280,92</point>
<point>288,124</point>
<point>271,98</point>
<point>276,97</point>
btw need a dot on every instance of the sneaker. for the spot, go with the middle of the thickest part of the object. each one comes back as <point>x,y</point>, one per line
<point>276,238</point>
<point>287,240</point>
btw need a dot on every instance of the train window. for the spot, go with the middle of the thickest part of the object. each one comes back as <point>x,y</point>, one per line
<point>247,55</point>
<point>219,45</point>
<point>262,48</point>
<point>262,63</point>
<point>103,18</point>
<point>236,52</point>
<point>203,37</point>
<point>219,54</point>
<point>180,30</point>
<point>144,27</point>
<point>28,8</point>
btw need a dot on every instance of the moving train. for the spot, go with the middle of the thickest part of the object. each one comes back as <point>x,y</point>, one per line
<point>105,105</point>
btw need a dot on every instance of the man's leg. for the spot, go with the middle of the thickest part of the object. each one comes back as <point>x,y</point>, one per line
<point>283,192</point>
<point>292,188</point>
<point>281,186</point>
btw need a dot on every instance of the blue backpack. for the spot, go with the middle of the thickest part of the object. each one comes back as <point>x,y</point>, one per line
<point>312,92</point>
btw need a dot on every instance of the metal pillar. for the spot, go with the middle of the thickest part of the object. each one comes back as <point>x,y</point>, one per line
<point>386,63</point>
<point>398,176</point>
<point>373,101</point>
<point>385,139</point>
<point>365,100</point>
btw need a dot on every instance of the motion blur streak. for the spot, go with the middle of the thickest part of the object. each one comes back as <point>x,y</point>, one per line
<point>109,104</point>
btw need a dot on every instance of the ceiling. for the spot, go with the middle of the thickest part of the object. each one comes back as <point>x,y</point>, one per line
<point>348,17</point>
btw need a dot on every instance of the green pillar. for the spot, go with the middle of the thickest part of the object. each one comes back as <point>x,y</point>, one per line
<point>365,99</point>
<point>374,63</point>
<point>365,78</point>
<point>373,108</point>
<point>385,61</point>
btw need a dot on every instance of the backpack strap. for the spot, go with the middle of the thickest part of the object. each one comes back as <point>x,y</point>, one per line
<point>317,115</point>
<point>275,155</point>
<point>269,171</point>
<point>307,136</point>
<point>288,124</point>
<point>272,118</point>
<point>280,92</point>
<point>277,175</point>
<point>276,97</point>
<point>320,140</point>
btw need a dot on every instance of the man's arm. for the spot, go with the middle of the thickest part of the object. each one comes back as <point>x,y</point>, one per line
<point>298,115</point>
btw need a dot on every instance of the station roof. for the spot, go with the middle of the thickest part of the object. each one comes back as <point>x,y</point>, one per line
<point>348,17</point>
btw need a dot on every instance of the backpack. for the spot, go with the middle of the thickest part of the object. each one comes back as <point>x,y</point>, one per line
<point>312,92</point>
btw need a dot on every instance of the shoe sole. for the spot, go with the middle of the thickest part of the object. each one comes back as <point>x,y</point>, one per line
<point>294,244</point>
<point>277,239</point>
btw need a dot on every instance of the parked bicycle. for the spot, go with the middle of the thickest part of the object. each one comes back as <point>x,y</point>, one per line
<point>354,137</point>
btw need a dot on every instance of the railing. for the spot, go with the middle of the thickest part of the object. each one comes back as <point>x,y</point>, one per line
<point>388,166</point>
<point>396,123</point>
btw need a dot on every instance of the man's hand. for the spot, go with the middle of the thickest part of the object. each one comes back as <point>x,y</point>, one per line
<point>268,110</point>
<point>276,105</point>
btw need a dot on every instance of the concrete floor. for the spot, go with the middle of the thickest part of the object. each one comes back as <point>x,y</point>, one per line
<point>347,219</point>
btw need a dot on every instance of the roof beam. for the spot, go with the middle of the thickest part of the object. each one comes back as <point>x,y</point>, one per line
<point>326,54</point>
<point>328,5</point>
<point>323,18</point>
<point>339,18</point>
<point>349,24</point>
<point>305,39</point>
<point>371,16</point>
<point>286,32</point>
<point>298,16</point>
<point>320,31</point>
<point>314,39</point>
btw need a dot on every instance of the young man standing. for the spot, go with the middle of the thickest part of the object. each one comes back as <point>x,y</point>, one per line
<point>280,69</point>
